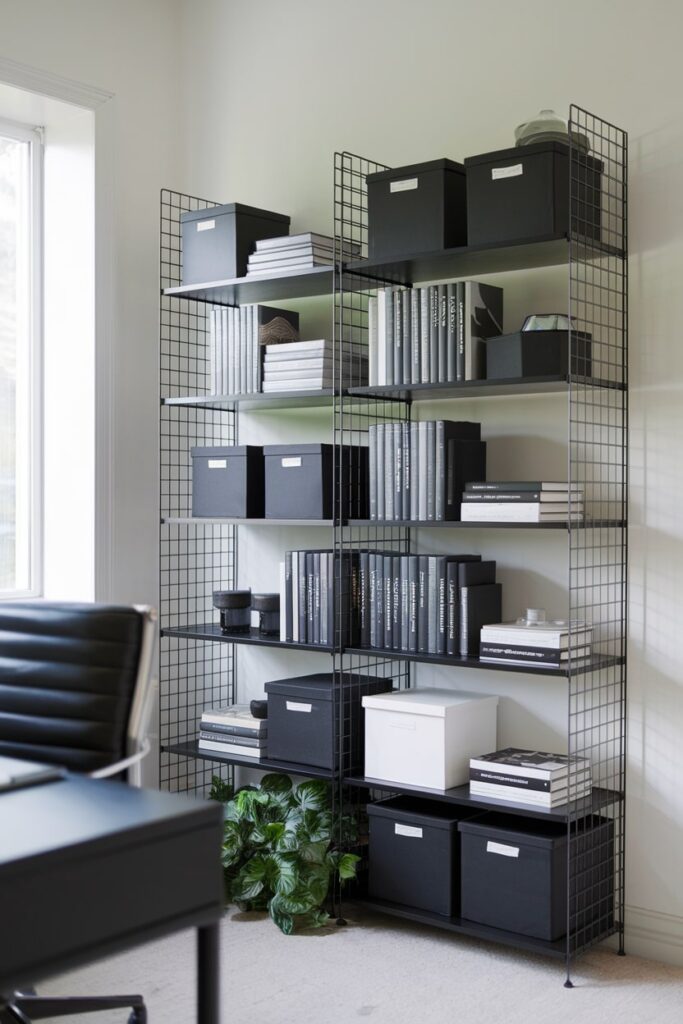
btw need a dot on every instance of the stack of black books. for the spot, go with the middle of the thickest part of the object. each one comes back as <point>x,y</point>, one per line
<point>307,605</point>
<point>418,470</point>
<point>543,644</point>
<point>522,501</point>
<point>238,336</point>
<point>295,253</point>
<point>432,335</point>
<point>233,730</point>
<point>426,604</point>
<point>309,366</point>
<point>530,777</point>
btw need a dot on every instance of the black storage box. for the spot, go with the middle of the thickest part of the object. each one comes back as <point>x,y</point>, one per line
<point>303,717</point>
<point>228,482</point>
<point>218,241</point>
<point>414,854</point>
<point>300,481</point>
<point>420,208</point>
<point>537,354</point>
<point>523,193</point>
<point>514,875</point>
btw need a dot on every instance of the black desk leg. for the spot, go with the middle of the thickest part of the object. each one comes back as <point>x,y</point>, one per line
<point>208,974</point>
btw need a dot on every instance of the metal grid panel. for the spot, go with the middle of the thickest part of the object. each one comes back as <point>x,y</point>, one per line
<point>195,558</point>
<point>598,436</point>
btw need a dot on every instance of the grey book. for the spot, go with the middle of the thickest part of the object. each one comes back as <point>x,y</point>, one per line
<point>232,740</point>
<point>389,335</point>
<point>331,622</point>
<point>405,603</point>
<point>412,604</point>
<point>422,470</point>
<point>422,603</point>
<point>389,471</point>
<point>372,341</point>
<point>443,329</point>
<point>414,474</point>
<point>324,596</point>
<point>406,478</point>
<point>310,598</point>
<point>288,597</point>
<point>431,470</point>
<point>379,599</point>
<point>381,504</point>
<point>398,338</point>
<point>398,470</point>
<point>424,335</point>
<point>387,582</point>
<point>396,616</point>
<point>372,580</point>
<point>415,308</point>
<point>241,359</point>
<point>451,332</point>
<point>364,603</point>
<point>460,330</point>
<point>372,469</point>
<point>433,334</point>
<point>295,596</point>
<point>432,604</point>
<point>303,588</point>
<point>407,334</point>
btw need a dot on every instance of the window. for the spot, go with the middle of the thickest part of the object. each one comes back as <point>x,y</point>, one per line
<point>20,361</point>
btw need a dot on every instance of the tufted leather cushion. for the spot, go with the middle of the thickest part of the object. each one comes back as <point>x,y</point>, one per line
<point>67,676</point>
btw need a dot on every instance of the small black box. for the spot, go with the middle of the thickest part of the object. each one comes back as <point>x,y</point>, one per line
<point>419,208</point>
<point>514,874</point>
<point>227,482</point>
<point>300,481</point>
<point>537,354</point>
<point>414,854</point>
<point>218,241</point>
<point>523,193</point>
<point>303,717</point>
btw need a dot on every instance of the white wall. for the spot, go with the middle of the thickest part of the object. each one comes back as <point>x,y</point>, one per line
<point>272,89</point>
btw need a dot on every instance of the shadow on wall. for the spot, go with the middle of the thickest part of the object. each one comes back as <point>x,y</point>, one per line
<point>655,709</point>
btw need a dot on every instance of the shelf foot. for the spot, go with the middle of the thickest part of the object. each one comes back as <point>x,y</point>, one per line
<point>568,983</point>
<point>341,922</point>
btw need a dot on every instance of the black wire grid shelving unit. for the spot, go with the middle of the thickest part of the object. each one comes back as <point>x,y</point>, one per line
<point>197,664</point>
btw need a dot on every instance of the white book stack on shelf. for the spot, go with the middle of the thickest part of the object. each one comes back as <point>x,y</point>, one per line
<point>539,644</point>
<point>293,253</point>
<point>233,730</point>
<point>309,366</point>
<point>522,501</point>
<point>530,777</point>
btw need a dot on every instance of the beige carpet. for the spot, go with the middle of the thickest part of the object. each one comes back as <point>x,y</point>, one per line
<point>386,972</point>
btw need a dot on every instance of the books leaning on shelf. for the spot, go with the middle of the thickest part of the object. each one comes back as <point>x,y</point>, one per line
<point>237,339</point>
<point>310,366</point>
<point>295,253</point>
<point>418,470</point>
<point>233,730</point>
<point>307,587</point>
<point>546,646</point>
<point>432,335</point>
<point>530,777</point>
<point>522,501</point>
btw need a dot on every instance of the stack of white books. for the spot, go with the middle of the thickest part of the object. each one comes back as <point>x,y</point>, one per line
<point>295,253</point>
<point>542,644</point>
<point>233,730</point>
<point>309,366</point>
<point>530,777</point>
<point>522,501</point>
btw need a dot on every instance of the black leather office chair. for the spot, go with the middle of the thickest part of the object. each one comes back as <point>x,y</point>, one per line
<point>74,692</point>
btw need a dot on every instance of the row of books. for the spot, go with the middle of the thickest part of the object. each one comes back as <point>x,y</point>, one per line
<point>522,501</point>
<point>307,611</point>
<point>237,339</point>
<point>431,604</point>
<point>547,645</point>
<point>530,777</point>
<point>418,470</point>
<point>432,335</point>
<point>308,365</point>
<point>295,253</point>
<point>233,730</point>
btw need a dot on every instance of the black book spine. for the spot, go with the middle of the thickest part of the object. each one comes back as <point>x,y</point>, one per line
<point>310,598</point>
<point>414,473</point>
<point>423,604</point>
<point>316,598</point>
<point>412,604</point>
<point>515,781</point>
<point>372,595</point>
<point>289,626</point>
<point>493,496</point>
<point>396,602</point>
<point>442,620</point>
<point>331,594</point>
<point>388,583</point>
<point>372,469</point>
<point>405,603</point>
<point>460,329</point>
<point>479,606</point>
<point>407,333</point>
<point>389,471</point>
<point>433,334</point>
<point>398,470</point>
<point>432,605</point>
<point>517,652</point>
<point>354,611</point>
<point>443,331</point>
<point>453,609</point>
<point>379,441</point>
<point>364,563</point>
<point>415,367</point>
<point>303,589</point>
<point>379,599</point>
<point>466,461</point>
<point>452,332</point>
<point>398,337</point>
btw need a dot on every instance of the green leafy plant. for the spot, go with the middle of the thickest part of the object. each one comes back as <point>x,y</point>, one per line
<point>279,853</point>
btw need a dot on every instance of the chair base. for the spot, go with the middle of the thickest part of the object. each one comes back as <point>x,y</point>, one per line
<point>24,1009</point>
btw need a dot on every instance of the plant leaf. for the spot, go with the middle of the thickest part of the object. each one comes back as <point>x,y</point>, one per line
<point>313,794</point>
<point>346,866</point>
<point>273,783</point>
<point>287,872</point>
<point>313,853</point>
<point>251,879</point>
<point>280,916</point>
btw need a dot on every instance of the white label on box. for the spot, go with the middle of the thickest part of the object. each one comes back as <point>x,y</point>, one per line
<point>408,830</point>
<point>405,185</point>
<point>288,463</point>
<point>502,849</point>
<point>506,172</point>
<point>292,705</point>
<point>206,225</point>
<point>218,463</point>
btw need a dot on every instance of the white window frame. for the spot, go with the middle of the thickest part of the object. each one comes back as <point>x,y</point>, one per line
<point>35,137</point>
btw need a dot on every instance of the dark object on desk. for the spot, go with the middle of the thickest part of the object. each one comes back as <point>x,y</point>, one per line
<point>74,694</point>
<point>538,354</point>
<point>227,482</point>
<point>419,208</point>
<point>218,241</point>
<point>235,610</point>
<point>259,708</point>
<point>15,774</point>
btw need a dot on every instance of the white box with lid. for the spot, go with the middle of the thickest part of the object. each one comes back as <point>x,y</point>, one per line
<point>426,737</point>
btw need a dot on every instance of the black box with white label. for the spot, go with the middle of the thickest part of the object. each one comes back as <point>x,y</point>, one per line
<point>523,194</point>
<point>418,208</point>
<point>537,354</point>
<point>218,241</point>
<point>303,718</point>
<point>414,854</point>
<point>514,875</point>
<point>300,481</point>
<point>227,482</point>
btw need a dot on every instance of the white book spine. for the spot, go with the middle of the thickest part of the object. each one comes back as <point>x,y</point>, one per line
<point>372,341</point>
<point>422,469</point>
<point>236,749</point>
<point>381,334</point>
<point>283,602</point>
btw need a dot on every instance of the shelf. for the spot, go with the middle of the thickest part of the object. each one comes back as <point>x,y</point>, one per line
<point>277,400</point>
<point>212,631</point>
<point>415,268</point>
<point>551,385</point>
<point>407,524</point>
<point>293,284</point>
<point>219,521</point>
<point>460,795</point>
<point>263,764</point>
<point>596,664</point>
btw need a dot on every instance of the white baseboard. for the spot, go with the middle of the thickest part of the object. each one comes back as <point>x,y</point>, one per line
<point>654,935</point>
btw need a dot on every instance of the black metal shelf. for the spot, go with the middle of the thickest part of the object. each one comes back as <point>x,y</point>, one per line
<point>525,254</point>
<point>264,764</point>
<point>595,664</point>
<point>407,524</point>
<point>225,521</point>
<point>258,400</point>
<point>292,284</point>
<point>599,800</point>
<point>550,385</point>
<point>212,631</point>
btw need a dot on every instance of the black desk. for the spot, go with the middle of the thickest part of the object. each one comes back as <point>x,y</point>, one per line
<point>89,868</point>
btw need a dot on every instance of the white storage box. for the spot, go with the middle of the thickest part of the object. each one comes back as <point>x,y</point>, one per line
<point>426,737</point>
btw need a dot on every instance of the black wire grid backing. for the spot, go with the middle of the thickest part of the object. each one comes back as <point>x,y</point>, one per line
<point>195,557</point>
<point>597,453</point>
